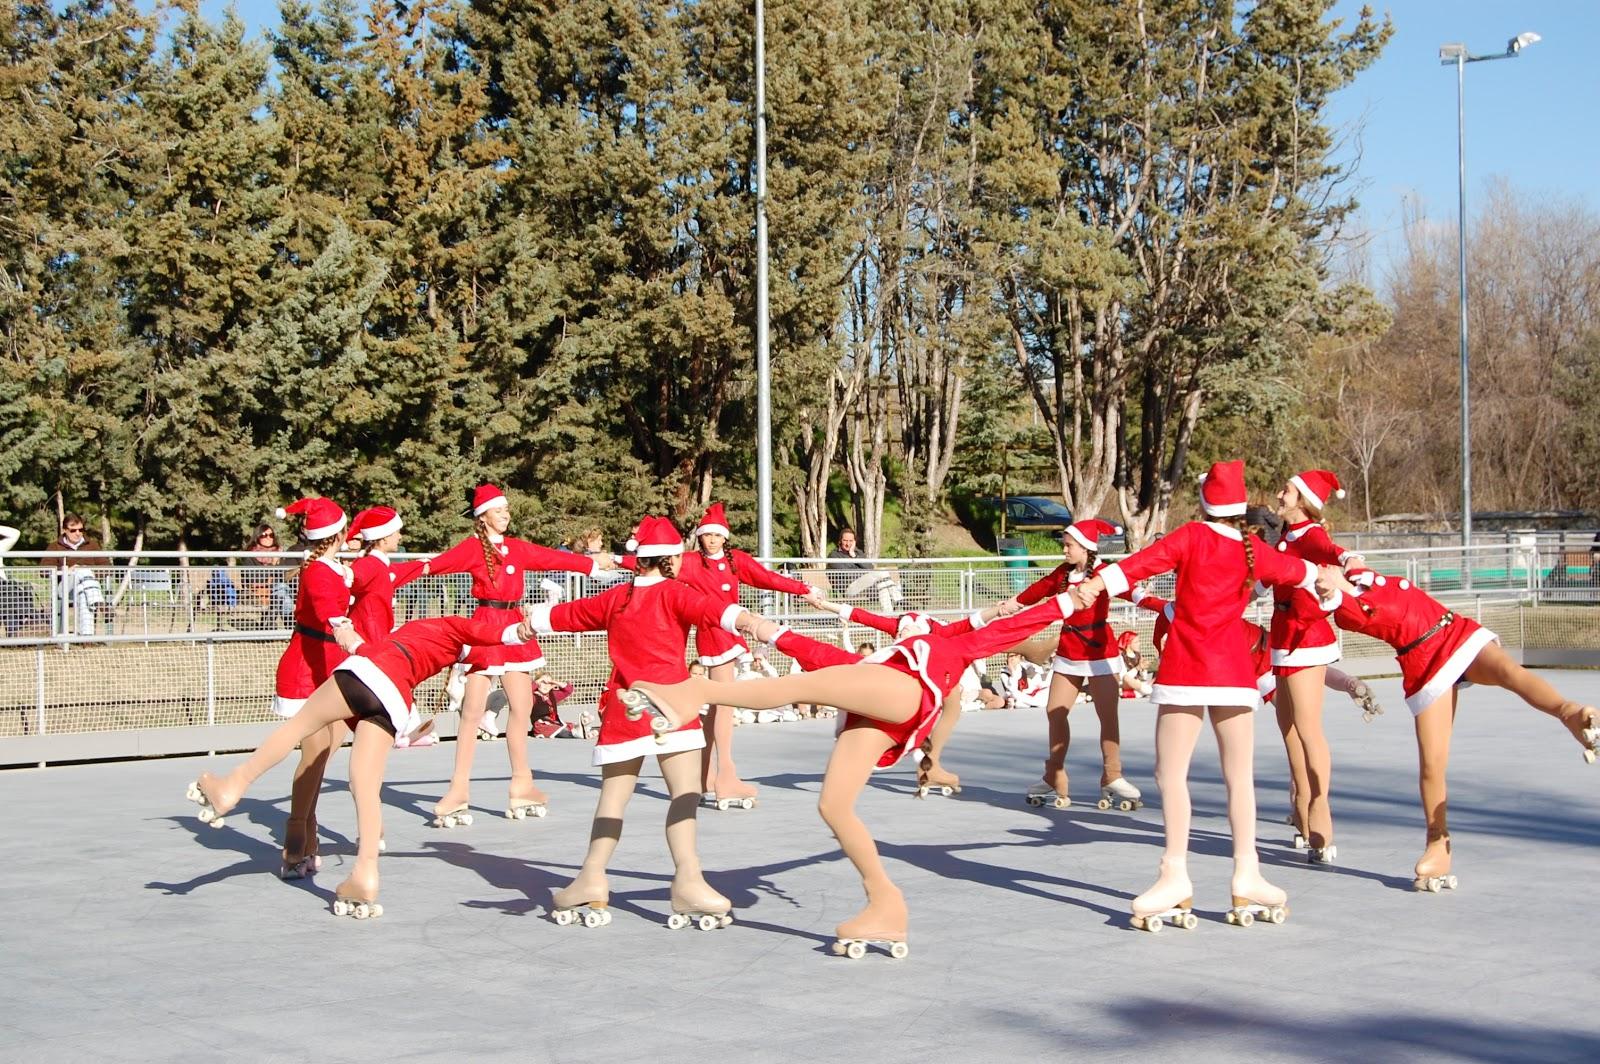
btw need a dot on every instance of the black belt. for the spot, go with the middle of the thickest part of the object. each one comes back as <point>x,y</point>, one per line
<point>1282,605</point>
<point>1438,626</point>
<point>499,604</point>
<point>1081,628</point>
<point>314,633</point>
<point>402,648</point>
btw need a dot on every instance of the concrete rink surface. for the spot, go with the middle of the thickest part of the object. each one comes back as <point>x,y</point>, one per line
<point>136,933</point>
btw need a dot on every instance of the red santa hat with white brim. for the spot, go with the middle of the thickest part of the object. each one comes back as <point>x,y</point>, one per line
<point>715,521</point>
<point>375,523</point>
<point>656,537</point>
<point>1317,486</point>
<point>322,517</point>
<point>482,499</point>
<point>1222,490</point>
<point>1089,533</point>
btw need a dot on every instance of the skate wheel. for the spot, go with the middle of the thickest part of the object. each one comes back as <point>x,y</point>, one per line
<point>1299,841</point>
<point>1189,921</point>
<point>215,821</point>
<point>363,911</point>
<point>1035,800</point>
<point>1450,882</point>
<point>922,792</point>
<point>562,917</point>
<point>514,814</point>
<point>946,791</point>
<point>1104,803</point>
<point>727,919</point>
<point>1588,756</point>
<point>856,950</point>
<point>899,950</point>
<point>377,910</point>
<point>1277,914</point>
<point>709,922</point>
<point>838,949</point>
<point>1152,924</point>
<point>748,803</point>
<point>1127,806</point>
<point>465,820</point>
<point>1245,919</point>
<point>1232,917</point>
<point>607,915</point>
<point>593,919</point>
<point>722,805</point>
<point>539,812</point>
<point>1063,802</point>
<point>677,922</point>
<point>339,907</point>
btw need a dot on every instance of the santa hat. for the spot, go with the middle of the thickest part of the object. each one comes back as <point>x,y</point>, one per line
<point>482,499</point>
<point>656,537</point>
<point>1317,486</point>
<point>374,523</point>
<point>322,517</point>
<point>1089,533</point>
<point>715,521</point>
<point>1222,490</point>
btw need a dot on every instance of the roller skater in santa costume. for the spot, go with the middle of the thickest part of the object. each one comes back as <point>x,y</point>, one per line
<point>1087,656</point>
<point>499,564</point>
<point>1206,664</point>
<point>892,701</point>
<point>371,690</point>
<point>1304,644</point>
<point>321,607</point>
<point>718,571</point>
<point>647,623</point>
<point>1438,650</point>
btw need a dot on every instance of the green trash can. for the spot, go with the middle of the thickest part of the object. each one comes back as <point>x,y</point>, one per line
<point>1014,549</point>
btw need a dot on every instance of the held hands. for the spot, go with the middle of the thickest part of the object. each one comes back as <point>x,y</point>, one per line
<point>815,600</point>
<point>1007,607</point>
<point>1084,594</point>
<point>525,631</point>
<point>347,637</point>
<point>1330,581</point>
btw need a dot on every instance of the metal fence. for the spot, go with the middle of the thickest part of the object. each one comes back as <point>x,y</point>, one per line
<point>176,653</point>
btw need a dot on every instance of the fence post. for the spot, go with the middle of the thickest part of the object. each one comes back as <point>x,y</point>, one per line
<point>211,683</point>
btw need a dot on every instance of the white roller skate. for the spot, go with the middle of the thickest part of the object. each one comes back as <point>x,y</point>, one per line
<point>582,902</point>
<point>1170,900</point>
<point>1245,912</point>
<point>523,808</point>
<point>1042,793</point>
<point>700,905</point>
<point>449,818</point>
<point>208,813</point>
<point>1322,855</point>
<point>639,702</point>
<point>1121,794</point>
<point>350,899</point>
<point>1180,915</point>
<point>856,948</point>
<point>714,801</point>
<point>1433,869</point>
<point>1366,700</point>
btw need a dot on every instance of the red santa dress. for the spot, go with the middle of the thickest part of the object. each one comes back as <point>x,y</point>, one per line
<point>321,604</point>
<point>718,576</point>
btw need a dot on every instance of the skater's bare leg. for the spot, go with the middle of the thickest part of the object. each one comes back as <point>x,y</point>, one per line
<point>1303,691</point>
<point>1493,667</point>
<point>519,717</point>
<point>1299,785</point>
<point>690,891</point>
<point>325,706</point>
<point>874,691</point>
<point>849,767</point>
<point>617,783</point>
<point>1177,729</point>
<point>367,757</point>
<point>1236,744</point>
<point>1434,727</point>
<point>474,700</point>
<point>1107,692</point>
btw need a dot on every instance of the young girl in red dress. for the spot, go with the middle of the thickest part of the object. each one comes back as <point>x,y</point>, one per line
<point>892,702</point>
<point>1438,650</point>
<point>1205,665</point>
<point>718,571</point>
<point>647,625</point>
<point>499,564</point>
<point>370,691</point>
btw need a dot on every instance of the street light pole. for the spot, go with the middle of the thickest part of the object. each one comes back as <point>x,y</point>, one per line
<point>763,355</point>
<point>1457,54</point>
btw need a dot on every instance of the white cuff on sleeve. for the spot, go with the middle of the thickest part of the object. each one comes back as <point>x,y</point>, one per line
<point>729,616</point>
<point>1345,556</point>
<point>1310,581</point>
<point>1137,594</point>
<point>594,569</point>
<point>1330,604</point>
<point>845,610</point>
<point>977,620</point>
<point>509,637</point>
<point>1259,590</point>
<point>539,617</point>
<point>1116,582</point>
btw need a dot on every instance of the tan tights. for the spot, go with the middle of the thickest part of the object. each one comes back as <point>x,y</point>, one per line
<point>519,700</point>
<point>1105,691</point>
<point>1299,712</point>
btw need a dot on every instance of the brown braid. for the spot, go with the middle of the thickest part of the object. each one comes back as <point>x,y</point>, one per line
<point>1247,533</point>
<point>491,557</point>
<point>320,548</point>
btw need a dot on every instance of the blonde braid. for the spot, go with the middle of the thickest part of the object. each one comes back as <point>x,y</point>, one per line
<point>320,548</point>
<point>491,558</point>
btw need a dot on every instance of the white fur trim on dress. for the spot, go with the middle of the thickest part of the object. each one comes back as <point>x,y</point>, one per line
<point>1448,673</point>
<point>286,707</point>
<point>673,742</point>
<point>1168,694</point>
<point>1306,656</point>
<point>731,654</point>
<point>1116,582</point>
<point>378,682</point>
<point>1225,531</point>
<point>1065,666</point>
<point>1266,684</point>
<point>515,666</point>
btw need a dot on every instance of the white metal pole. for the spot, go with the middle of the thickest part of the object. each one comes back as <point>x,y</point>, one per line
<point>763,355</point>
<point>1461,253</point>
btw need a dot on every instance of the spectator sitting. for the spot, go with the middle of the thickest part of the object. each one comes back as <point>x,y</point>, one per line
<point>264,578</point>
<point>851,576</point>
<point>548,693</point>
<point>78,584</point>
<point>1024,684</point>
<point>975,694</point>
<point>1135,678</point>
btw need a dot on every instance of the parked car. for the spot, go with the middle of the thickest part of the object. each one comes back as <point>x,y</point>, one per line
<point>1034,513</point>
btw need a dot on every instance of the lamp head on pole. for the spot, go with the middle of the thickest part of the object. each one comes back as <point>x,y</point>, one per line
<point>1521,41</point>
<point>1449,53</point>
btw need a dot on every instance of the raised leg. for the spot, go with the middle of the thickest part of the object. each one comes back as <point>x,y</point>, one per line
<point>519,717</point>
<point>222,793</point>
<point>1493,667</point>
<point>874,691</point>
<point>849,767</point>
<point>1303,691</point>
<point>473,703</point>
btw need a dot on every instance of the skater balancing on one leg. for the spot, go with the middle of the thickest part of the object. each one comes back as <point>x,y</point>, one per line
<point>892,701</point>
<point>321,607</point>
<point>1437,649</point>
<point>718,571</point>
<point>1087,657</point>
<point>499,565</point>
<point>1206,665</point>
<point>1304,644</point>
<point>372,689</point>
<point>371,611</point>
<point>647,623</point>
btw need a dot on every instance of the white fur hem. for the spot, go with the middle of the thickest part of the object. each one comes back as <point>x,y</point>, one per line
<point>1266,683</point>
<point>378,682</point>
<point>1450,671</point>
<point>683,739</point>
<point>733,653</point>
<point>516,666</point>
<point>1099,667</point>
<point>1307,656</point>
<point>286,707</point>
<point>1167,694</point>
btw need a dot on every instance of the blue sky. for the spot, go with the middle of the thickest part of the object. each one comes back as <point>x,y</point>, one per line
<point>1526,119</point>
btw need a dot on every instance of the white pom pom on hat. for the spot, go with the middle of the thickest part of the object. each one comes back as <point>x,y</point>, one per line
<point>631,545</point>
<point>281,513</point>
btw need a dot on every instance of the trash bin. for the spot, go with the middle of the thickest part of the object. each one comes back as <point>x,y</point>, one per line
<point>1015,550</point>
